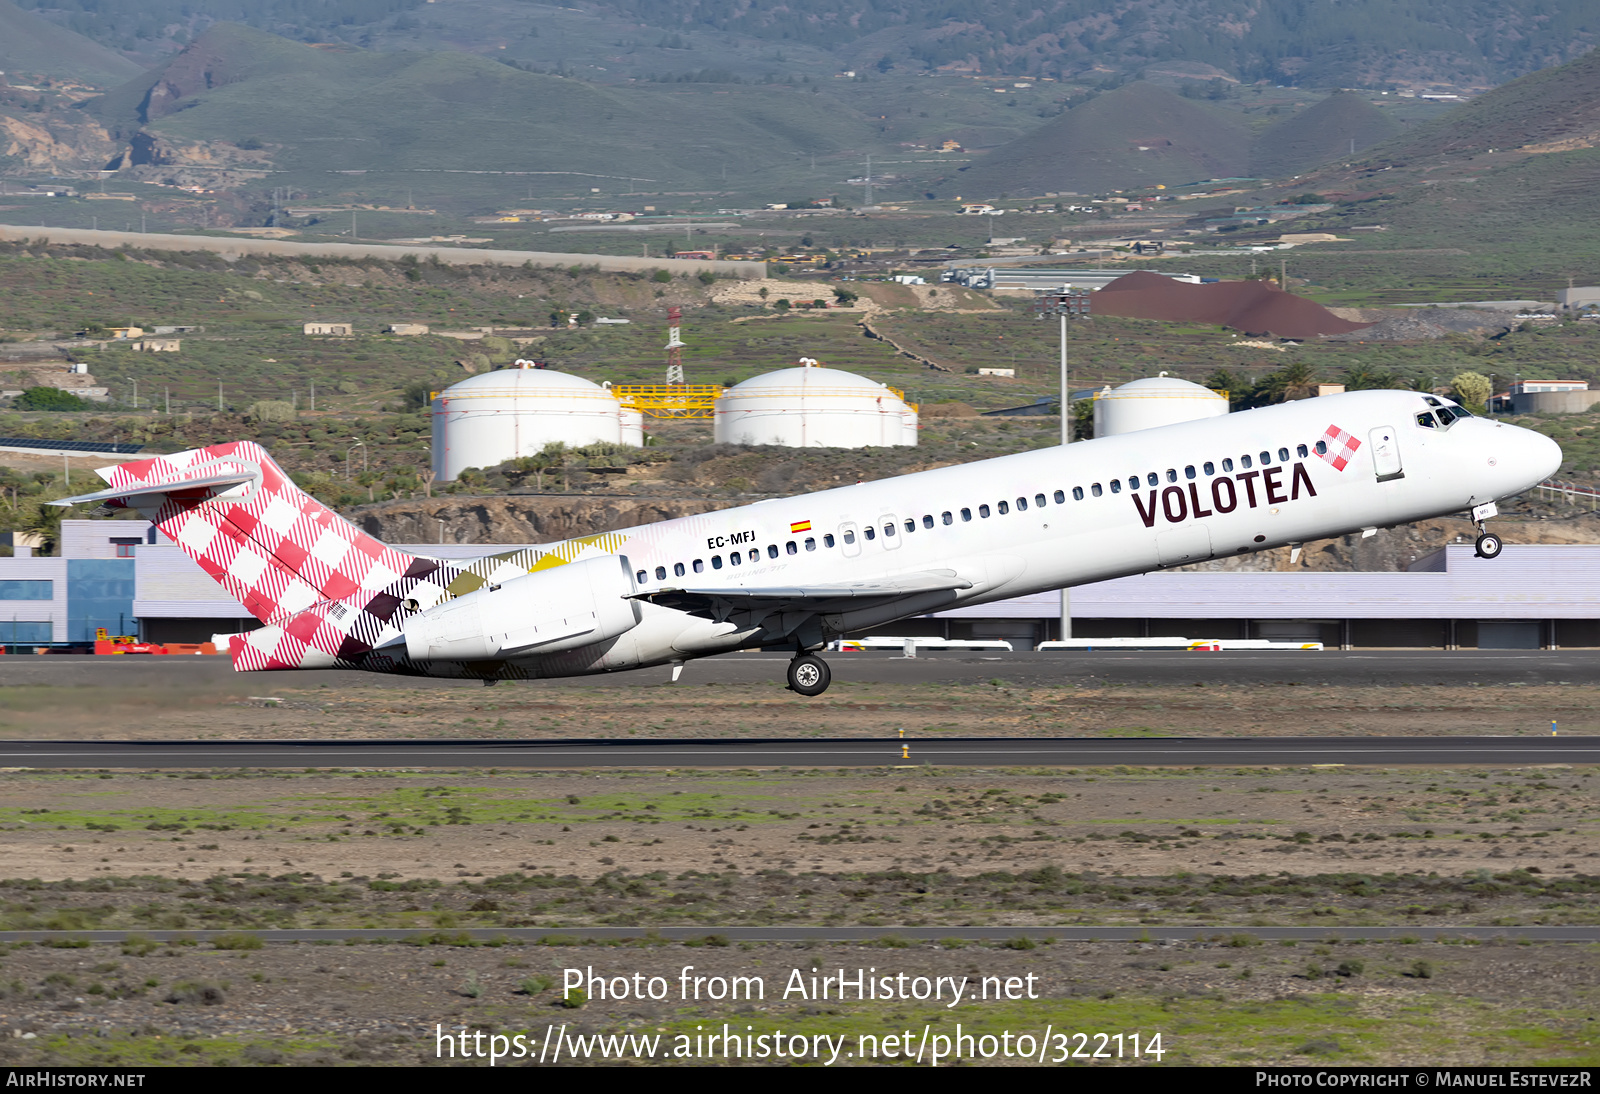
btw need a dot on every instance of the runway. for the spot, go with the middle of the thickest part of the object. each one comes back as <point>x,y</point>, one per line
<point>1008,752</point>
<point>1368,668</point>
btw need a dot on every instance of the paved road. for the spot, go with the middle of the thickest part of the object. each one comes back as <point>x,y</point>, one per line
<point>948,752</point>
<point>1070,933</point>
<point>1384,668</point>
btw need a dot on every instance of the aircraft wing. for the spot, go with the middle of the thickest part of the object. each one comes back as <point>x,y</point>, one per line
<point>720,602</point>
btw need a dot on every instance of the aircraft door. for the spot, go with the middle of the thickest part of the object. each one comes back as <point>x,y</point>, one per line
<point>1386,453</point>
<point>849,539</point>
<point>1181,546</point>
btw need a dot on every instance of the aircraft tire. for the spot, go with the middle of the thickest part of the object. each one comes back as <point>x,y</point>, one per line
<point>1488,545</point>
<point>809,675</point>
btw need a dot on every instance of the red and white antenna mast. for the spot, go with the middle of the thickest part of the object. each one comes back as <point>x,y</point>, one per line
<point>674,345</point>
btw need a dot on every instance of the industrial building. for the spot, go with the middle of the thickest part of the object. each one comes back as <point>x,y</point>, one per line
<point>127,577</point>
<point>814,407</point>
<point>503,415</point>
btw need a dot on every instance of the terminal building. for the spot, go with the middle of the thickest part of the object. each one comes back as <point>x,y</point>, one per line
<point>127,577</point>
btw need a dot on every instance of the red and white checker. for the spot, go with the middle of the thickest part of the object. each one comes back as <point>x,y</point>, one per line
<point>1341,447</point>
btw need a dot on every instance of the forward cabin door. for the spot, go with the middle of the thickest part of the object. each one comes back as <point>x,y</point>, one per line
<point>1386,453</point>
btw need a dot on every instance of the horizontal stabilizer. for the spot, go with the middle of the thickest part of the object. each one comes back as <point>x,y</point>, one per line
<point>135,490</point>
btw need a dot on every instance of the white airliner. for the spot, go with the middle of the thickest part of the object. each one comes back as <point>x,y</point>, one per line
<point>796,572</point>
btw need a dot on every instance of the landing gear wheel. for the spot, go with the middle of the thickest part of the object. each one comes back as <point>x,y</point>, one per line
<point>1489,545</point>
<point>809,675</point>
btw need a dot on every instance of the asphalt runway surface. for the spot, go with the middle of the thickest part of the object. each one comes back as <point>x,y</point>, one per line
<point>1363,668</point>
<point>807,753</point>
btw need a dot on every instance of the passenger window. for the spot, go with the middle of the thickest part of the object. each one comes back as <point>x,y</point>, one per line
<point>1244,461</point>
<point>1301,451</point>
<point>911,525</point>
<point>888,530</point>
<point>870,532</point>
<point>1172,476</point>
<point>1133,482</point>
<point>716,562</point>
<point>699,566</point>
<point>966,514</point>
<point>946,517</point>
<point>1038,499</point>
<point>677,569</point>
<point>661,573</point>
<point>755,554</point>
<point>811,543</point>
<point>849,537</point>
<point>1227,465</point>
<point>772,550</point>
<point>1266,458</point>
<point>1209,468</point>
<point>827,539</point>
<point>1322,448</point>
<point>927,520</point>
<point>1283,455</point>
<point>1153,479</point>
<point>1077,493</point>
<point>640,576</point>
<point>983,511</point>
<point>791,548</point>
<point>1116,485</point>
<point>733,559</point>
<point>1004,508</point>
<point>1022,503</point>
<point>1095,490</point>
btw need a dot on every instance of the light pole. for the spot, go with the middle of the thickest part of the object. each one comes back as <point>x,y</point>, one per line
<point>361,445</point>
<point>1065,304</point>
<point>135,391</point>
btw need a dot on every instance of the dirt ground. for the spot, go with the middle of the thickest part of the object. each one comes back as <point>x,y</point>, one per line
<point>258,705</point>
<point>1492,849</point>
<point>1230,1000</point>
<point>1149,822</point>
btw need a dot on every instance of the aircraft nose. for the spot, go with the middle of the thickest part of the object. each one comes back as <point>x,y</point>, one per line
<point>1533,457</point>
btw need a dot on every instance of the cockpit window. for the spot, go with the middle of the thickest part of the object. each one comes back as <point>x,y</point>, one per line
<point>1431,401</point>
<point>1425,420</point>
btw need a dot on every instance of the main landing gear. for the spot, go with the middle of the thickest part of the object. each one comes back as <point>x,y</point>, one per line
<point>1488,544</point>
<point>809,674</point>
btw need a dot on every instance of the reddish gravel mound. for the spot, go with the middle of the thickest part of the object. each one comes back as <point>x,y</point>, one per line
<point>1253,307</point>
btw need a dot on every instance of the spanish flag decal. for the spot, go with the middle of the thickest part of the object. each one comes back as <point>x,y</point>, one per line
<point>800,526</point>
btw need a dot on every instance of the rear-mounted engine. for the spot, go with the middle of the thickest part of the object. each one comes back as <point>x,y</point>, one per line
<point>545,612</point>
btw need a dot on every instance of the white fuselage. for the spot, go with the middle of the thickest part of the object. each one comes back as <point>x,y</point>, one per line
<point>1053,518</point>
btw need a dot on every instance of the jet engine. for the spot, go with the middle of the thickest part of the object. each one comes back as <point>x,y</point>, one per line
<point>544,612</point>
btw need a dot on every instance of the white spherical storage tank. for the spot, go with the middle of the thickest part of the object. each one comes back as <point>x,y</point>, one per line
<point>814,407</point>
<point>1156,401</point>
<point>501,415</point>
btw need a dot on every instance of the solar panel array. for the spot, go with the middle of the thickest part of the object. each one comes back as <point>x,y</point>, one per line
<point>71,446</point>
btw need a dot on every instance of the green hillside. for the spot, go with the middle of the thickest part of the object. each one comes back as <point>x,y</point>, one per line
<point>30,45</point>
<point>1343,123</point>
<point>1556,104</point>
<point>320,111</point>
<point>1137,135</point>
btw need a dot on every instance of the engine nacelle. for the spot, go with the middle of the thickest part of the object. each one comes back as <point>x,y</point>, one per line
<point>544,612</point>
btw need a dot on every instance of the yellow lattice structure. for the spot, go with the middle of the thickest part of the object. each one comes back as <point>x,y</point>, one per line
<point>669,400</point>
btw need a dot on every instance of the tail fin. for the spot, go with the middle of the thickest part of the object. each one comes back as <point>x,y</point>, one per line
<point>267,542</point>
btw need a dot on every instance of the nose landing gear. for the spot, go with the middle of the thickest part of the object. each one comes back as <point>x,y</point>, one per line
<point>1488,544</point>
<point>809,675</point>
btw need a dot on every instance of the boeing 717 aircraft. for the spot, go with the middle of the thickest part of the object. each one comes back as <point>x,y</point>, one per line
<point>793,573</point>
